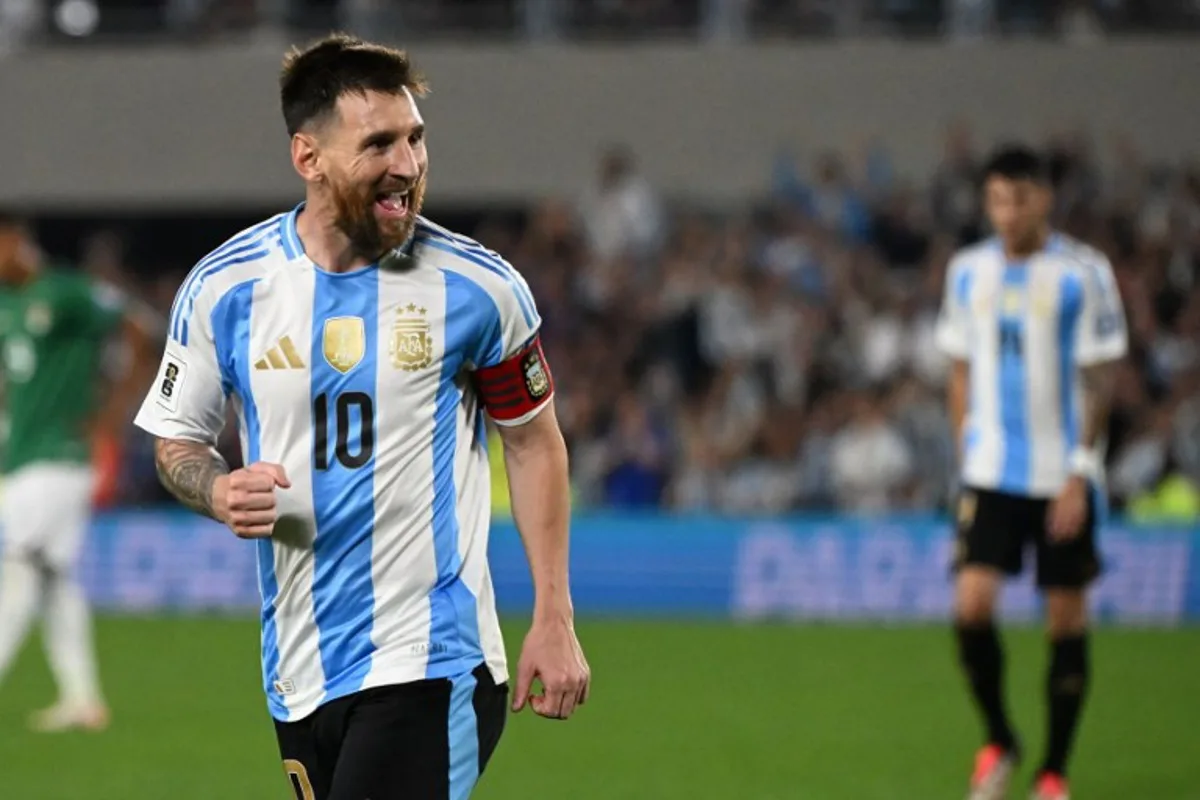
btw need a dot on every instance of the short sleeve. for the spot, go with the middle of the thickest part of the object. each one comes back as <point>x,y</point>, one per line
<point>954,319</point>
<point>511,372</point>
<point>1101,334</point>
<point>517,322</point>
<point>187,398</point>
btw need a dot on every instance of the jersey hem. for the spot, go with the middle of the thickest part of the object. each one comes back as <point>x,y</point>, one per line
<point>397,676</point>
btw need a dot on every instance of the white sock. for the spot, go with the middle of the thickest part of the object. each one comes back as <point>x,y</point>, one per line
<point>67,630</point>
<point>20,584</point>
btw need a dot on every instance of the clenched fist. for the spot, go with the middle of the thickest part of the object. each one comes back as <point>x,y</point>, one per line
<point>245,499</point>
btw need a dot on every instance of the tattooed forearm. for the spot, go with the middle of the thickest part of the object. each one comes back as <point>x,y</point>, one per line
<point>188,470</point>
<point>1097,397</point>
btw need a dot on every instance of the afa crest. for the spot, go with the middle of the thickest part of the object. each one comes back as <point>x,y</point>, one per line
<point>537,381</point>
<point>345,342</point>
<point>411,346</point>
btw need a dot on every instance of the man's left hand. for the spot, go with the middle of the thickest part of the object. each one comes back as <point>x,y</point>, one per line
<point>552,654</point>
<point>1069,510</point>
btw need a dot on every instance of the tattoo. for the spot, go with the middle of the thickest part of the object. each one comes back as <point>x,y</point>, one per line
<point>188,470</point>
<point>1097,396</point>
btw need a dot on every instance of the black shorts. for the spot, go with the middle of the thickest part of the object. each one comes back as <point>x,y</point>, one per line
<point>994,529</point>
<point>427,740</point>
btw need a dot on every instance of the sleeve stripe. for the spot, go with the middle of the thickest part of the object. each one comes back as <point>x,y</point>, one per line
<point>471,245</point>
<point>436,240</point>
<point>249,236</point>
<point>179,331</point>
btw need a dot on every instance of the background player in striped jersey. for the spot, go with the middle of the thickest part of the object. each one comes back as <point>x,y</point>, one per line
<point>360,346</point>
<point>1032,320</point>
<point>54,326</point>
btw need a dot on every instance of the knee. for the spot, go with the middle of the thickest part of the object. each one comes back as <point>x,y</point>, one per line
<point>1066,613</point>
<point>974,609</point>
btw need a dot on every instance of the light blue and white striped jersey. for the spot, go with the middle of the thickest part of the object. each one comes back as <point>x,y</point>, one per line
<point>358,384</point>
<point>1025,329</point>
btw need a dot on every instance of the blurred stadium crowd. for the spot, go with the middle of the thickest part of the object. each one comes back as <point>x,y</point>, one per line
<point>64,21</point>
<point>781,357</point>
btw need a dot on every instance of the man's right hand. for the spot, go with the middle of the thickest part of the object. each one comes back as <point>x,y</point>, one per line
<point>245,499</point>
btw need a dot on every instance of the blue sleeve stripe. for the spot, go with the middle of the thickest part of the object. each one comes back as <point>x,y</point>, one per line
<point>179,329</point>
<point>962,287</point>
<point>472,246</point>
<point>242,240</point>
<point>475,247</point>
<point>186,299</point>
<point>493,265</point>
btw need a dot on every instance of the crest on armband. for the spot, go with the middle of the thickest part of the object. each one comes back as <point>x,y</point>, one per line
<point>537,379</point>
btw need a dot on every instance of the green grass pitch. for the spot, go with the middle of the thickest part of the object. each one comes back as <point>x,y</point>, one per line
<point>679,711</point>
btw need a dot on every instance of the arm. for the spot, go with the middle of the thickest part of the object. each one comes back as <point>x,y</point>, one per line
<point>190,471</point>
<point>1099,380</point>
<point>956,400</point>
<point>185,411</point>
<point>1100,341</point>
<point>535,457</point>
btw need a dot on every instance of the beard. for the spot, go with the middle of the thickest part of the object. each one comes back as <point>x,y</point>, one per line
<point>369,236</point>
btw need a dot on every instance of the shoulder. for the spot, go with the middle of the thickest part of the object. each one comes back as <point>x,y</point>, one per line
<point>245,256</point>
<point>1080,256</point>
<point>449,250</point>
<point>975,256</point>
<point>471,263</point>
<point>1084,265</point>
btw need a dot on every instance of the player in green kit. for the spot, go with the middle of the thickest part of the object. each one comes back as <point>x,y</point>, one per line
<point>54,329</point>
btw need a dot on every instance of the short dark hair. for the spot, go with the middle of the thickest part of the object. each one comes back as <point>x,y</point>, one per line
<point>1017,162</point>
<point>313,78</point>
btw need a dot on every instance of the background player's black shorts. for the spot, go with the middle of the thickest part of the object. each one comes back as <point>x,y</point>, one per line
<point>994,529</point>
<point>416,741</point>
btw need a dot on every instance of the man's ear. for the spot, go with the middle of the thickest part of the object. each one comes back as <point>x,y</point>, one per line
<point>306,157</point>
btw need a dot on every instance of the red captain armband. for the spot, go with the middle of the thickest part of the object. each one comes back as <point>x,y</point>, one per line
<point>515,388</point>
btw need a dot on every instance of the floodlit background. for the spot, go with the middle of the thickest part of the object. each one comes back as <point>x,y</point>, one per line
<point>735,216</point>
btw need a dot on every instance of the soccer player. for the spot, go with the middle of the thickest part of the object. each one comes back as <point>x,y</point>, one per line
<point>1032,320</point>
<point>360,345</point>
<point>54,325</point>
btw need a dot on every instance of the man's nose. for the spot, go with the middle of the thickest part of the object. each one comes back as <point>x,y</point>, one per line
<point>404,162</point>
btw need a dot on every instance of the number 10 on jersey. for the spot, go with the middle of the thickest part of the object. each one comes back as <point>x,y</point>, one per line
<point>346,407</point>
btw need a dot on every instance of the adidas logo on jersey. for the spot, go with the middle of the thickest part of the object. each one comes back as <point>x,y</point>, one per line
<point>282,356</point>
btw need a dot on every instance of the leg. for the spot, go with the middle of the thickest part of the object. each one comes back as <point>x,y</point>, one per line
<point>979,649</point>
<point>70,649</point>
<point>20,566</point>
<point>395,744</point>
<point>301,759</point>
<point>491,712</point>
<point>1067,680</point>
<point>428,740</point>
<point>67,625</point>
<point>1064,571</point>
<point>20,590</point>
<point>988,547</point>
